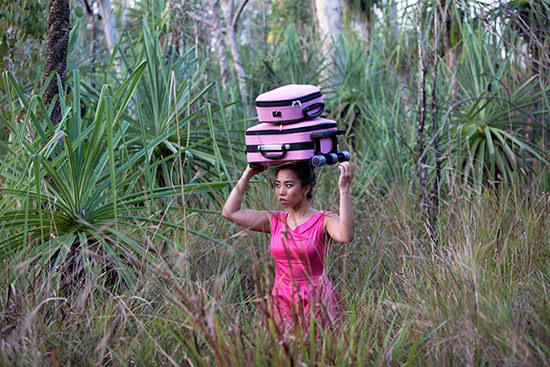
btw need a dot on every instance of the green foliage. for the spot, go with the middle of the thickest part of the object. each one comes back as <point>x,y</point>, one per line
<point>531,20</point>
<point>168,100</point>
<point>494,116</point>
<point>376,121</point>
<point>22,30</point>
<point>68,203</point>
<point>127,190</point>
<point>153,12</point>
<point>295,58</point>
<point>22,33</point>
<point>291,12</point>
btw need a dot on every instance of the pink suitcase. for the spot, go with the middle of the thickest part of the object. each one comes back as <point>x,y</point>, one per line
<point>315,140</point>
<point>290,103</point>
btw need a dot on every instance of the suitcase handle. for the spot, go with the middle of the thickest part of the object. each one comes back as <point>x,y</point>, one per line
<point>265,150</point>
<point>319,106</point>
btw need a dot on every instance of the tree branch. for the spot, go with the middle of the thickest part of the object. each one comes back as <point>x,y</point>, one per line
<point>199,19</point>
<point>237,14</point>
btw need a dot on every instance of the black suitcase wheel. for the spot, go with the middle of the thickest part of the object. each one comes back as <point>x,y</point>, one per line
<point>331,158</point>
<point>318,160</point>
<point>344,156</point>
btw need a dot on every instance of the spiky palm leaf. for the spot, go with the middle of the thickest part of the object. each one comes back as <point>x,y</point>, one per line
<point>491,119</point>
<point>170,96</point>
<point>72,205</point>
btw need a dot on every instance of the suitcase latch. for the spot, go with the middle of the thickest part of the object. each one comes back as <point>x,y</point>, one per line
<point>296,103</point>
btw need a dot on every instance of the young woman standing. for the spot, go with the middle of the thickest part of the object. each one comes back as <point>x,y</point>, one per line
<point>299,242</point>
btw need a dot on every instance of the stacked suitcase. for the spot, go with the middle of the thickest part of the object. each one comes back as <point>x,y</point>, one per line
<point>290,129</point>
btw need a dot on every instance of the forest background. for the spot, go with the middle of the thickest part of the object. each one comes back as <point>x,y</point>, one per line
<point>122,132</point>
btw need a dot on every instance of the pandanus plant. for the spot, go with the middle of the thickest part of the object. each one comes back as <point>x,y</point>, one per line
<point>72,201</point>
<point>169,104</point>
<point>489,123</point>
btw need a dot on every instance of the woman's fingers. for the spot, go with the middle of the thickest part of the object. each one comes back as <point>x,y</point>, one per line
<point>255,170</point>
<point>346,172</point>
<point>345,168</point>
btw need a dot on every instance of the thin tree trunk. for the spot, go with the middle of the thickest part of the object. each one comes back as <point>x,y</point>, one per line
<point>422,71</point>
<point>264,24</point>
<point>368,32</point>
<point>434,209</point>
<point>56,53</point>
<point>112,36</point>
<point>175,33</point>
<point>170,9</point>
<point>110,30</point>
<point>231,31</point>
<point>218,37</point>
<point>452,50</point>
<point>93,36</point>
<point>329,20</point>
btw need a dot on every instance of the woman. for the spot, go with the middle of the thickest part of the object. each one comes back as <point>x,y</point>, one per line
<point>298,242</point>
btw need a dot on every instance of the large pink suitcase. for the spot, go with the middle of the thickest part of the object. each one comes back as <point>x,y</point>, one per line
<point>290,103</point>
<point>315,140</point>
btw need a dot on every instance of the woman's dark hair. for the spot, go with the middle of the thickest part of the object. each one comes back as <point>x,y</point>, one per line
<point>305,174</point>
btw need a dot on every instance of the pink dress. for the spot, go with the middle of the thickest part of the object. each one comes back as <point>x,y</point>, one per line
<point>301,285</point>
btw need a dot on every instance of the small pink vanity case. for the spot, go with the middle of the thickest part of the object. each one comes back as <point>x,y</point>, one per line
<point>290,103</point>
<point>315,140</point>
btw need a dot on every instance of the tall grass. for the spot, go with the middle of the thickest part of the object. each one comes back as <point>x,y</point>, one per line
<point>479,298</point>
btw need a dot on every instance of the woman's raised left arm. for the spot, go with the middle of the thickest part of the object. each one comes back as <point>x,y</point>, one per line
<point>342,228</point>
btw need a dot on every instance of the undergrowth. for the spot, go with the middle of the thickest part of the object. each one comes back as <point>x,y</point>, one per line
<point>478,295</point>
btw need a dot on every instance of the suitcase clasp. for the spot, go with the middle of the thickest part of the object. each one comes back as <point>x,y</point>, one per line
<point>296,103</point>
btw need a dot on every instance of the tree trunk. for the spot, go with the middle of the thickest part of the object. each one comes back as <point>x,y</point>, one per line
<point>434,209</point>
<point>452,50</point>
<point>112,36</point>
<point>329,21</point>
<point>422,71</point>
<point>92,28</point>
<point>176,25</point>
<point>368,32</point>
<point>56,53</point>
<point>231,31</point>
<point>218,37</point>
<point>264,25</point>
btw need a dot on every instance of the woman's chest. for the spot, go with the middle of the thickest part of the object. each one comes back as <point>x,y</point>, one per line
<point>289,245</point>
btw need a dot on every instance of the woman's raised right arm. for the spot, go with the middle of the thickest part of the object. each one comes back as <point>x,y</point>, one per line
<point>257,220</point>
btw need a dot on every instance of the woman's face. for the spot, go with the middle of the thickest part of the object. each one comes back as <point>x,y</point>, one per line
<point>289,188</point>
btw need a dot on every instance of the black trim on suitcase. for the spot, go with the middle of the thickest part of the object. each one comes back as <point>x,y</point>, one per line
<point>327,134</point>
<point>289,102</point>
<point>291,131</point>
<point>256,148</point>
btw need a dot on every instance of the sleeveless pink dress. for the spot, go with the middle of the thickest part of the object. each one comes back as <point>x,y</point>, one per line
<point>301,285</point>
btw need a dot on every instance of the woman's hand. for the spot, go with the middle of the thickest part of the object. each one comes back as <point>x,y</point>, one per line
<point>342,228</point>
<point>258,220</point>
<point>346,175</point>
<point>249,172</point>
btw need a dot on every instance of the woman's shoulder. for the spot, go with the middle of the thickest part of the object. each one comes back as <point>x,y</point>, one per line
<point>328,216</point>
<point>322,213</point>
<point>327,213</point>
<point>277,215</point>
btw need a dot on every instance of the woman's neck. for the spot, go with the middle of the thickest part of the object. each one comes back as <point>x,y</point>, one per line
<point>301,211</point>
